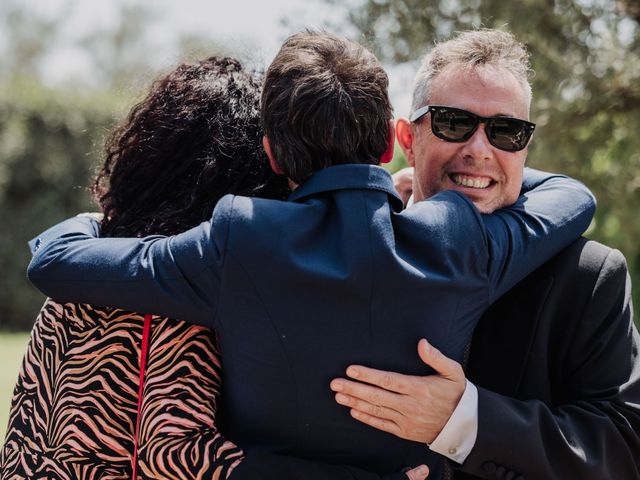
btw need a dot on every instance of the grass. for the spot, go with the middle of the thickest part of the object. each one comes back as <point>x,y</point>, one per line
<point>12,348</point>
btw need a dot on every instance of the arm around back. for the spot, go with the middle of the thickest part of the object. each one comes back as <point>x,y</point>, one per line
<point>176,276</point>
<point>552,212</point>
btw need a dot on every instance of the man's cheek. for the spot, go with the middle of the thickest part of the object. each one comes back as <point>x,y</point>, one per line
<point>511,195</point>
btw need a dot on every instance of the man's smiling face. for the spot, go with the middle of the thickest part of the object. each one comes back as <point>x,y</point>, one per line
<point>490,177</point>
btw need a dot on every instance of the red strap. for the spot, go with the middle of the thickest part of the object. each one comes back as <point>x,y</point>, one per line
<point>144,350</point>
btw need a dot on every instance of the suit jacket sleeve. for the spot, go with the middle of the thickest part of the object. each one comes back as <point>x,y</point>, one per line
<point>594,431</point>
<point>553,211</point>
<point>176,276</point>
<point>268,466</point>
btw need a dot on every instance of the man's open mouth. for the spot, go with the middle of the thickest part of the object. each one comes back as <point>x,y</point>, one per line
<point>471,181</point>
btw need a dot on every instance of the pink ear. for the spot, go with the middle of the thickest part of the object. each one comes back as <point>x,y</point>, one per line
<point>272,160</point>
<point>387,156</point>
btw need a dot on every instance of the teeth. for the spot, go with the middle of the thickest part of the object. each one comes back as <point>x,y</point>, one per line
<point>473,182</point>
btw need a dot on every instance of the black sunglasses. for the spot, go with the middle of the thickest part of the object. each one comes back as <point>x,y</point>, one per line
<point>456,125</point>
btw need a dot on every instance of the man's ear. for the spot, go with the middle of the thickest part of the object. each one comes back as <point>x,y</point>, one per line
<point>387,156</point>
<point>272,159</point>
<point>404,134</point>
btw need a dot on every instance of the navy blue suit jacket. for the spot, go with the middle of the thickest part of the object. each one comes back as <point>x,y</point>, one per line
<point>298,290</point>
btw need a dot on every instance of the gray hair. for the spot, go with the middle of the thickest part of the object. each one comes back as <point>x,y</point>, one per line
<point>471,49</point>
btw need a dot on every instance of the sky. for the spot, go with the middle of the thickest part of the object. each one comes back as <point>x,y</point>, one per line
<point>253,29</point>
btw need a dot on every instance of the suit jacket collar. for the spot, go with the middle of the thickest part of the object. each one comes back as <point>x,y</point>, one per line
<point>349,177</point>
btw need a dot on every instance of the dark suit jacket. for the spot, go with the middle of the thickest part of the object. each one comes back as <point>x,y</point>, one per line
<point>556,363</point>
<point>305,286</point>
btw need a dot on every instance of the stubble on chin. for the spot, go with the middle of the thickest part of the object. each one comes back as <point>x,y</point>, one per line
<point>485,208</point>
<point>493,204</point>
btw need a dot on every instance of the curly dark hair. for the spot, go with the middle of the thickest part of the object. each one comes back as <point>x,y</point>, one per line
<point>196,137</point>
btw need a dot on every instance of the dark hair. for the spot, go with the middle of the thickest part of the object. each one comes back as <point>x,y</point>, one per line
<point>195,137</point>
<point>325,103</point>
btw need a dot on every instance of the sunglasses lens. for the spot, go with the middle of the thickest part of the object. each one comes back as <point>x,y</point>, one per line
<point>508,134</point>
<point>456,125</point>
<point>452,124</point>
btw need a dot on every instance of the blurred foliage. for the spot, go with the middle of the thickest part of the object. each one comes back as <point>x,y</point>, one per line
<point>398,161</point>
<point>586,59</point>
<point>49,144</point>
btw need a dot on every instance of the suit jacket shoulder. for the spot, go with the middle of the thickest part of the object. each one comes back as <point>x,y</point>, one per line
<point>558,376</point>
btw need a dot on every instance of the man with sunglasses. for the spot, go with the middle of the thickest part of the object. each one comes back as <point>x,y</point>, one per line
<point>556,359</point>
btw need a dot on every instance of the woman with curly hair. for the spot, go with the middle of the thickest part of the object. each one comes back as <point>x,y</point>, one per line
<point>77,411</point>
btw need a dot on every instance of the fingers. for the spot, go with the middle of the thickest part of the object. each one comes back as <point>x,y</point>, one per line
<point>403,183</point>
<point>367,393</point>
<point>439,362</point>
<point>374,410</point>
<point>418,473</point>
<point>394,382</point>
<point>376,422</point>
<point>403,175</point>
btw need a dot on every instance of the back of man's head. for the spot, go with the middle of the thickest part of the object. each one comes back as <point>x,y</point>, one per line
<point>325,103</point>
<point>472,49</point>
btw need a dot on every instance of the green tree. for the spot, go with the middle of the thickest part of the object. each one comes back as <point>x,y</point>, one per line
<point>49,147</point>
<point>586,59</point>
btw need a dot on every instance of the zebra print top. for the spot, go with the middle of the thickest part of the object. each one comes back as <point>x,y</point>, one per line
<point>74,408</point>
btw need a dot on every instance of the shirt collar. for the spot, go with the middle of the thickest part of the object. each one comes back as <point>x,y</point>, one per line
<point>349,177</point>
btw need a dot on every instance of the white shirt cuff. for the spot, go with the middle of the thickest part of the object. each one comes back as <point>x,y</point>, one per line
<point>457,438</point>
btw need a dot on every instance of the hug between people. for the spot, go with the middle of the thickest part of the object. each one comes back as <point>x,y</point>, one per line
<point>319,284</point>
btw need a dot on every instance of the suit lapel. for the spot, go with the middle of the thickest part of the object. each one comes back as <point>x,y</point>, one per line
<point>502,342</point>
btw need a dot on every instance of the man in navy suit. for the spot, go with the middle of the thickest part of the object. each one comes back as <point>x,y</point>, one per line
<point>556,359</point>
<point>337,273</point>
